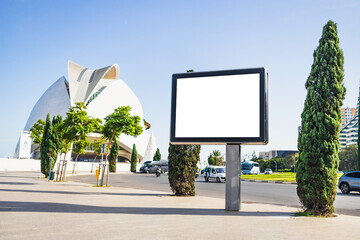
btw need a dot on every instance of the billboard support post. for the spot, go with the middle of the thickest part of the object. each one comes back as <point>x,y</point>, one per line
<point>233,178</point>
<point>241,98</point>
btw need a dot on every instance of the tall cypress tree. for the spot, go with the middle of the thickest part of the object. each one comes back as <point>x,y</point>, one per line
<point>114,152</point>
<point>157,155</point>
<point>133,159</point>
<point>44,146</point>
<point>318,141</point>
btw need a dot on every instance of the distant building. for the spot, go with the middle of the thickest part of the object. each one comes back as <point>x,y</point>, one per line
<point>276,153</point>
<point>347,114</point>
<point>349,133</point>
<point>264,155</point>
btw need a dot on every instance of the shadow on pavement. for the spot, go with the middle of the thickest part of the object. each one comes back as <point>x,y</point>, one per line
<point>8,206</point>
<point>86,193</point>
<point>16,183</point>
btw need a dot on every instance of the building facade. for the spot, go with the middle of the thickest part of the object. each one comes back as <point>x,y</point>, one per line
<point>349,133</point>
<point>276,153</point>
<point>347,114</point>
<point>102,91</point>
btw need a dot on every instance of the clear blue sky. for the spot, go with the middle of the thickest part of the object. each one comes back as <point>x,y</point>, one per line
<point>151,40</point>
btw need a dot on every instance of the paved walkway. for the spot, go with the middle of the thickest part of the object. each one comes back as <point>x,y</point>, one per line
<point>33,208</point>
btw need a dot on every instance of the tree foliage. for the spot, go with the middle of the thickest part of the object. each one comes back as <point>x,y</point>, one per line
<point>80,146</point>
<point>51,144</point>
<point>215,158</point>
<point>37,131</point>
<point>182,168</point>
<point>77,125</point>
<point>157,155</point>
<point>318,141</point>
<point>114,153</point>
<point>121,122</point>
<point>133,159</point>
<point>348,158</point>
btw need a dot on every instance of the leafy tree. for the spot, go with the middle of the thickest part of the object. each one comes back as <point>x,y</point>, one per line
<point>348,158</point>
<point>76,126</point>
<point>133,159</point>
<point>114,153</point>
<point>37,130</point>
<point>211,159</point>
<point>157,155</point>
<point>96,145</point>
<point>318,141</point>
<point>182,168</point>
<point>79,148</point>
<point>215,158</point>
<point>120,122</point>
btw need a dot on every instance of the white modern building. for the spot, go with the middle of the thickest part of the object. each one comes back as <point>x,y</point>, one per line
<point>102,91</point>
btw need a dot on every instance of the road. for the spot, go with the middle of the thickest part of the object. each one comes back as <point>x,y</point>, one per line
<point>252,192</point>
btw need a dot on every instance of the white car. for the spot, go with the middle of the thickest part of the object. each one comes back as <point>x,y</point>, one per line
<point>268,171</point>
<point>217,173</point>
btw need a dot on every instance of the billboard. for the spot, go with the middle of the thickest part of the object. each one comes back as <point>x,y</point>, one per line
<point>25,145</point>
<point>219,107</point>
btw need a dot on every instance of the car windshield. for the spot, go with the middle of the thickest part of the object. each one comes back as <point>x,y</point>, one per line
<point>220,170</point>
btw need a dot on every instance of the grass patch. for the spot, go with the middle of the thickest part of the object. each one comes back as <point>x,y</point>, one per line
<point>308,214</point>
<point>281,177</point>
<point>277,176</point>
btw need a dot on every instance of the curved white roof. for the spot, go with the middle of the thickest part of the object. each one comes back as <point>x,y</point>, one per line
<point>101,90</point>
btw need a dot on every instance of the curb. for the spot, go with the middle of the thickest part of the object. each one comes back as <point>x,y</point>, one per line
<point>264,181</point>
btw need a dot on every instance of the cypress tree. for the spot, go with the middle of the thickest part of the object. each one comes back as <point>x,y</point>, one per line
<point>182,168</point>
<point>318,141</point>
<point>44,147</point>
<point>157,155</point>
<point>114,152</point>
<point>133,159</point>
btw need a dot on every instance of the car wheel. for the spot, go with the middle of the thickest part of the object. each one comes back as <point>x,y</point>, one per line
<point>344,187</point>
<point>206,179</point>
<point>218,180</point>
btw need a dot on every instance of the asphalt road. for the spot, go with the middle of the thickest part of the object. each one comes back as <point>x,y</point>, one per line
<point>252,192</point>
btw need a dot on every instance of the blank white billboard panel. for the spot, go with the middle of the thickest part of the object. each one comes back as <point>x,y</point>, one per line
<point>220,106</point>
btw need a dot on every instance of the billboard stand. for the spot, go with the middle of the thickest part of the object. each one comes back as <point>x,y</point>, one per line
<point>240,98</point>
<point>233,178</point>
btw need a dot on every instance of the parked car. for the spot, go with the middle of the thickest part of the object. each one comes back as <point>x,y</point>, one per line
<point>217,173</point>
<point>197,173</point>
<point>268,171</point>
<point>157,164</point>
<point>145,168</point>
<point>350,181</point>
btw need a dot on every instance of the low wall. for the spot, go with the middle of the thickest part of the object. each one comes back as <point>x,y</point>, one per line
<point>7,164</point>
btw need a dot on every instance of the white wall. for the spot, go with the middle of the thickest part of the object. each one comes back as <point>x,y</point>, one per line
<point>34,165</point>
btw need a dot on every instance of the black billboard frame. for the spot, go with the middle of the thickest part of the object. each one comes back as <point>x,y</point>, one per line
<point>264,135</point>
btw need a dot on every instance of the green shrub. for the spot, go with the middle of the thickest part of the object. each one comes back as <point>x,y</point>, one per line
<point>133,159</point>
<point>182,168</point>
<point>114,152</point>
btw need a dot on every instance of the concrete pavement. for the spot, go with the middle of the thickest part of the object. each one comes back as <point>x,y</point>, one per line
<point>33,208</point>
